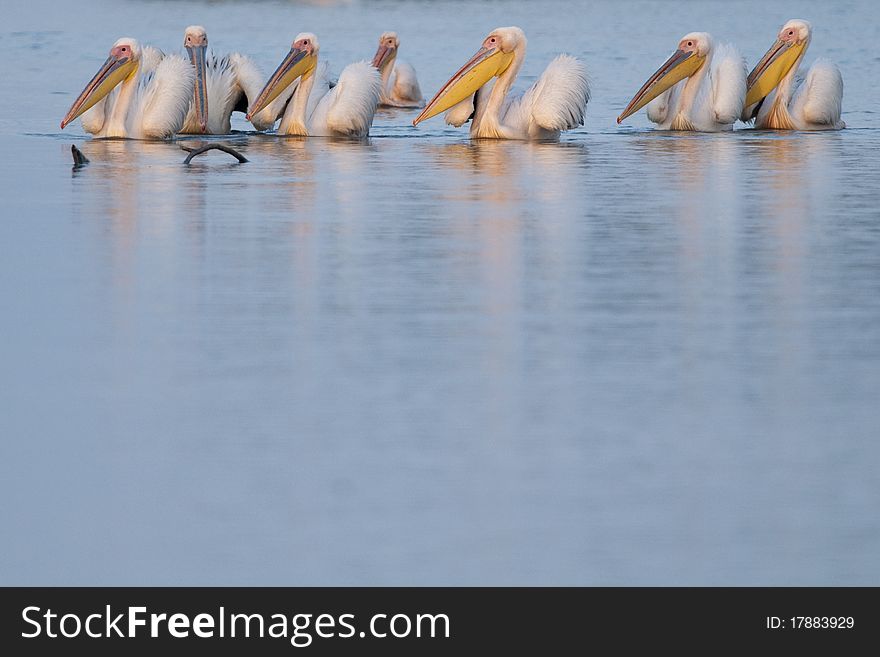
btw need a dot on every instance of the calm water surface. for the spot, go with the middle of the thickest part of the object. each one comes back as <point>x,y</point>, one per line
<point>627,358</point>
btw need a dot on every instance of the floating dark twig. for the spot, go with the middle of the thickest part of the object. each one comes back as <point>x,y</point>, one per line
<point>193,152</point>
<point>79,159</point>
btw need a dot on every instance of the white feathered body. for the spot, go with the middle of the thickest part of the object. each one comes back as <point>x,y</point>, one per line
<point>400,87</point>
<point>151,105</point>
<point>711,100</point>
<point>318,108</point>
<point>810,102</point>
<point>556,102</point>
<point>231,81</point>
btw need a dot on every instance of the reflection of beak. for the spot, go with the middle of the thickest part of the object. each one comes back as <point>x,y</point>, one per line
<point>482,67</point>
<point>678,67</point>
<point>384,56</point>
<point>114,71</point>
<point>197,56</point>
<point>298,62</point>
<point>774,66</point>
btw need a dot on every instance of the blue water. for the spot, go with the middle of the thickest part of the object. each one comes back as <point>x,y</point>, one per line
<point>627,358</point>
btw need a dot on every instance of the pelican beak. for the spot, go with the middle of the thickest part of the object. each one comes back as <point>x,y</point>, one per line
<point>482,67</point>
<point>678,67</point>
<point>115,70</point>
<point>384,56</point>
<point>197,55</point>
<point>774,66</point>
<point>298,62</point>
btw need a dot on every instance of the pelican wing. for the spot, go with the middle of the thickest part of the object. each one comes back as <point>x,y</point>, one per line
<point>819,99</point>
<point>151,57</point>
<point>558,100</point>
<point>223,93</point>
<point>248,83</point>
<point>658,109</point>
<point>351,104</point>
<point>728,72</point>
<point>460,113</point>
<point>406,86</point>
<point>93,118</point>
<point>163,98</point>
<point>324,82</point>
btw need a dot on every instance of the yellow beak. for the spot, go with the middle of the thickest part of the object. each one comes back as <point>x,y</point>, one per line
<point>114,71</point>
<point>297,63</point>
<point>678,67</point>
<point>482,67</point>
<point>774,66</point>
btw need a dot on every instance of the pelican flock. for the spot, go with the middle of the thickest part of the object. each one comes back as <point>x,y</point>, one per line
<point>141,93</point>
<point>400,86</point>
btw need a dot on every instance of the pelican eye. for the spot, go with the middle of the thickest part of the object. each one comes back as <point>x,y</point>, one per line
<point>690,43</point>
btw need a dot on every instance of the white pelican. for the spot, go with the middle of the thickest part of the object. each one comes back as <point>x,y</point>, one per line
<point>780,99</point>
<point>710,100</point>
<point>556,102</point>
<point>317,108</point>
<point>223,85</point>
<point>400,87</point>
<point>151,94</point>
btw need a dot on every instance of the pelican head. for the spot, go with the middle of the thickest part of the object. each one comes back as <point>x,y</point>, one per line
<point>784,54</point>
<point>195,40</point>
<point>490,61</point>
<point>121,65</point>
<point>690,56</point>
<point>387,52</point>
<point>299,62</point>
